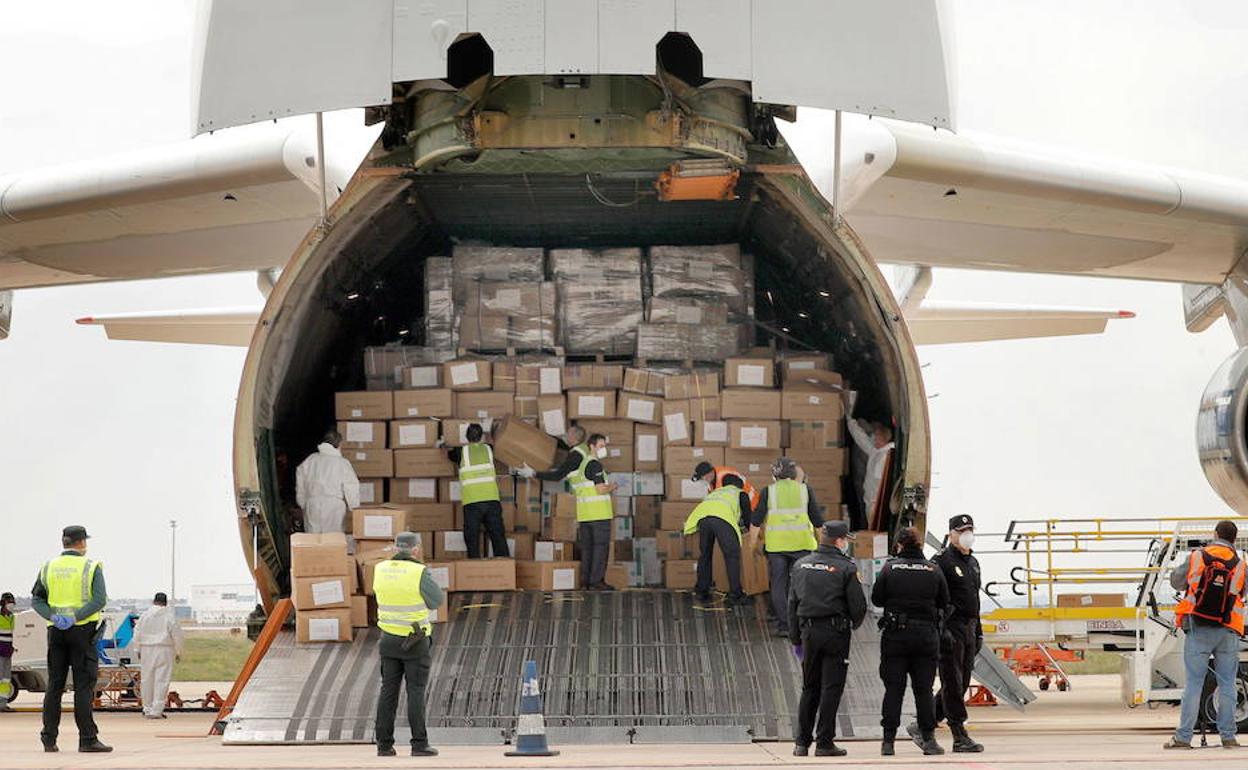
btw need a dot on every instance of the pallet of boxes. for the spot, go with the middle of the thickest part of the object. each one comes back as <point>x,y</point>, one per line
<point>323,588</point>
<point>652,348</point>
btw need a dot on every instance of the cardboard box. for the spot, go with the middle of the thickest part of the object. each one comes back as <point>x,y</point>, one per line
<point>677,422</point>
<point>424,376</point>
<point>815,379</point>
<point>536,380</point>
<point>674,544</point>
<point>366,561</point>
<point>619,458</point>
<point>617,431</point>
<point>371,463</point>
<point>644,381</point>
<point>516,444</point>
<point>559,528</point>
<point>711,433</point>
<point>421,490</point>
<point>593,376</point>
<point>449,490</point>
<point>754,434</point>
<point>372,491</point>
<point>620,575</point>
<point>749,373</point>
<point>868,544</point>
<point>816,435</point>
<point>443,573</point>
<point>519,545</point>
<point>646,511</point>
<point>364,405</point>
<point>811,404</point>
<point>800,364</point>
<point>752,462</point>
<point>683,386</point>
<point>820,464</point>
<point>552,550</point>
<point>406,434</point>
<point>438,402</point>
<point>552,415</point>
<point>468,375</point>
<point>323,625</point>
<point>362,434</point>
<point>640,408</point>
<point>528,505</point>
<point>593,404</point>
<point>683,459</point>
<point>1091,600</point>
<point>422,463</point>
<point>646,484</point>
<point>429,517</point>
<point>750,404</point>
<point>321,593</point>
<point>484,405</point>
<point>450,545</point>
<point>673,514</point>
<point>313,555</point>
<point>455,430</point>
<point>680,573</point>
<point>485,575</point>
<point>682,488</point>
<point>382,522</point>
<point>548,575</point>
<point>525,408</point>
<point>647,442</point>
<point>363,612</point>
<point>503,376</point>
<point>709,408</point>
<point>754,574</point>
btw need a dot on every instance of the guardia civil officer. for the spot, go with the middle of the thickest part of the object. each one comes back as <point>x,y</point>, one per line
<point>826,603</point>
<point>962,636</point>
<point>913,594</point>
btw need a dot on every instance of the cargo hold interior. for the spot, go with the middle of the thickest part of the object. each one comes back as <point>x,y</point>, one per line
<point>807,295</point>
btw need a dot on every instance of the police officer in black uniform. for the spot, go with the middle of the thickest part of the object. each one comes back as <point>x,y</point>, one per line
<point>913,594</point>
<point>826,602</point>
<point>963,635</point>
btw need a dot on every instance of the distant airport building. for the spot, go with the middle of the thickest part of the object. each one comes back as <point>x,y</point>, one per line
<point>223,604</point>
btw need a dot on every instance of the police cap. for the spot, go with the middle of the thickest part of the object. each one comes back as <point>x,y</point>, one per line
<point>837,529</point>
<point>960,522</point>
<point>74,533</point>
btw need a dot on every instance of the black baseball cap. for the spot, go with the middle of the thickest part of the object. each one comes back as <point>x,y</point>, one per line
<point>74,533</point>
<point>703,468</point>
<point>160,598</point>
<point>961,522</point>
<point>837,529</point>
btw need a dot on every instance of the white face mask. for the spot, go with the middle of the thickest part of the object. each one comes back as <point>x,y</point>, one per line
<point>600,452</point>
<point>966,540</point>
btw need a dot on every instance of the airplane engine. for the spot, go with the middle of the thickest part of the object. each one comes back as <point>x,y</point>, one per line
<point>1221,432</point>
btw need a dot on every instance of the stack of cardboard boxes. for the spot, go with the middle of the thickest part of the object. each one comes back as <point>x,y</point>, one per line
<point>324,588</point>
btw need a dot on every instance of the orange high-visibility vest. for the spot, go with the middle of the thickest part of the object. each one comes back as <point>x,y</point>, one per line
<point>1196,568</point>
<point>721,472</point>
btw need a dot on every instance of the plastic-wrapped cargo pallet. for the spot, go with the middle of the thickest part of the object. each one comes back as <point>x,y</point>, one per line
<point>497,315</point>
<point>508,264</point>
<point>439,304</point>
<point>600,299</point>
<point>699,272</point>
<point>697,342</point>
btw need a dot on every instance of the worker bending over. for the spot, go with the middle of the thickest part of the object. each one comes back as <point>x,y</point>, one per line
<point>326,487</point>
<point>714,475</point>
<point>69,593</point>
<point>159,638</point>
<point>478,491</point>
<point>406,592</point>
<point>789,511</point>
<point>719,519</point>
<point>826,603</point>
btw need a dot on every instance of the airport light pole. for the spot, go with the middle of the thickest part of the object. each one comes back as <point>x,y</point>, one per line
<point>173,565</point>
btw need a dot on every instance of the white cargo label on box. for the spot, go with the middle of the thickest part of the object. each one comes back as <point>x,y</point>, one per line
<point>455,491</point>
<point>795,365</point>
<point>591,406</point>
<point>366,493</point>
<point>378,526</point>
<point>361,456</point>
<point>463,374</point>
<point>454,541</point>
<point>754,437</point>
<point>552,422</point>
<point>563,579</point>
<point>814,400</point>
<point>750,374</point>
<point>507,298</point>
<point>692,490</point>
<point>612,452</point>
<point>357,412</point>
<point>688,314</point>
<point>413,435</point>
<point>328,592</point>
<point>698,452</point>
<point>360,432</point>
<point>715,430</point>
<point>463,432</point>
<point>422,489</point>
<point>413,411</point>
<point>640,410</point>
<point>441,576</point>
<point>422,377</point>
<point>323,629</point>
<point>647,483</point>
<point>754,467</point>
<point>677,426</point>
<point>551,383</point>
<point>648,448</point>
<point>543,550</point>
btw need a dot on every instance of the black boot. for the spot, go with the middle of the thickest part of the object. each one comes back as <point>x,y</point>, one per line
<point>94,747</point>
<point>886,745</point>
<point>915,734</point>
<point>929,745</point>
<point>962,741</point>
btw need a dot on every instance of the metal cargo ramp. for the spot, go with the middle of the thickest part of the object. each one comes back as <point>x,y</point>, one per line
<point>627,667</point>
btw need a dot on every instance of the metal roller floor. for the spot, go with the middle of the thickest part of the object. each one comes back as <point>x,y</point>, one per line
<point>629,667</point>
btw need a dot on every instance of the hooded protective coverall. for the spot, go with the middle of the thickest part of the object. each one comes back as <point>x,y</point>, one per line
<point>326,488</point>
<point>160,642</point>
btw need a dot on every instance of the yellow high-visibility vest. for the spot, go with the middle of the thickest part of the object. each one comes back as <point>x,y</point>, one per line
<point>477,483</point>
<point>723,503</point>
<point>396,582</point>
<point>68,579</point>
<point>788,523</point>
<point>590,505</point>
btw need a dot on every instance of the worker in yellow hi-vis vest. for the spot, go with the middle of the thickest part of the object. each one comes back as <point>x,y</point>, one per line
<point>7,622</point>
<point>478,491</point>
<point>406,592</point>
<point>792,517</point>
<point>718,520</point>
<point>69,593</point>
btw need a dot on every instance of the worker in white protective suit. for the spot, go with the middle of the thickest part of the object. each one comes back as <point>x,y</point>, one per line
<point>159,638</point>
<point>326,487</point>
<point>876,442</point>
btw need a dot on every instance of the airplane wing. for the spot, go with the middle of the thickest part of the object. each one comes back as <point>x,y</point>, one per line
<point>935,323</point>
<point>241,199</point>
<point>220,326</point>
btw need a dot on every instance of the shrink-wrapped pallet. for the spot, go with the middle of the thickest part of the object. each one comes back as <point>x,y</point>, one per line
<point>439,304</point>
<point>510,264</point>
<point>678,342</point>
<point>699,272</point>
<point>599,299</point>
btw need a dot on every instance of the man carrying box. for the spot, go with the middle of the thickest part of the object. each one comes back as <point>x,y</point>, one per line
<point>406,591</point>
<point>788,509</point>
<point>479,493</point>
<point>719,519</point>
<point>326,487</point>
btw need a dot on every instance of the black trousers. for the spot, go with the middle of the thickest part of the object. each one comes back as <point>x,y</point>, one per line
<point>71,650</point>
<point>397,666</point>
<point>958,649</point>
<point>487,513</point>
<point>825,664</point>
<point>594,538</point>
<point>711,531</point>
<point>779,565</point>
<point>912,653</point>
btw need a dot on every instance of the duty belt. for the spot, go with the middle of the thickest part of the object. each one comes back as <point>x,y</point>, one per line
<point>835,622</point>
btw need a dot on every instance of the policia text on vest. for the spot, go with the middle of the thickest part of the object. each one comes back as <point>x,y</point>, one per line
<point>69,593</point>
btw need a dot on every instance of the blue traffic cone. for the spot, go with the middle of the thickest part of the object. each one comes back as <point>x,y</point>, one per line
<point>531,725</point>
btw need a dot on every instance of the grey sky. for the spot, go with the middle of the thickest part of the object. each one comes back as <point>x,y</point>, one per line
<point>123,436</point>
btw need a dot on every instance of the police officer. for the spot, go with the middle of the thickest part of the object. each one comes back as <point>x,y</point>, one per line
<point>69,593</point>
<point>478,491</point>
<point>406,591</point>
<point>826,602</point>
<point>963,635</point>
<point>913,594</point>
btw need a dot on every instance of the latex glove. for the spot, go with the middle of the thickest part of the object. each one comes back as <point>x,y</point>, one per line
<point>798,652</point>
<point>440,443</point>
<point>525,472</point>
<point>63,622</point>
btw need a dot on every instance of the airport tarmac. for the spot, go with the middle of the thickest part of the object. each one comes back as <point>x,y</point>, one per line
<point>1084,728</point>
